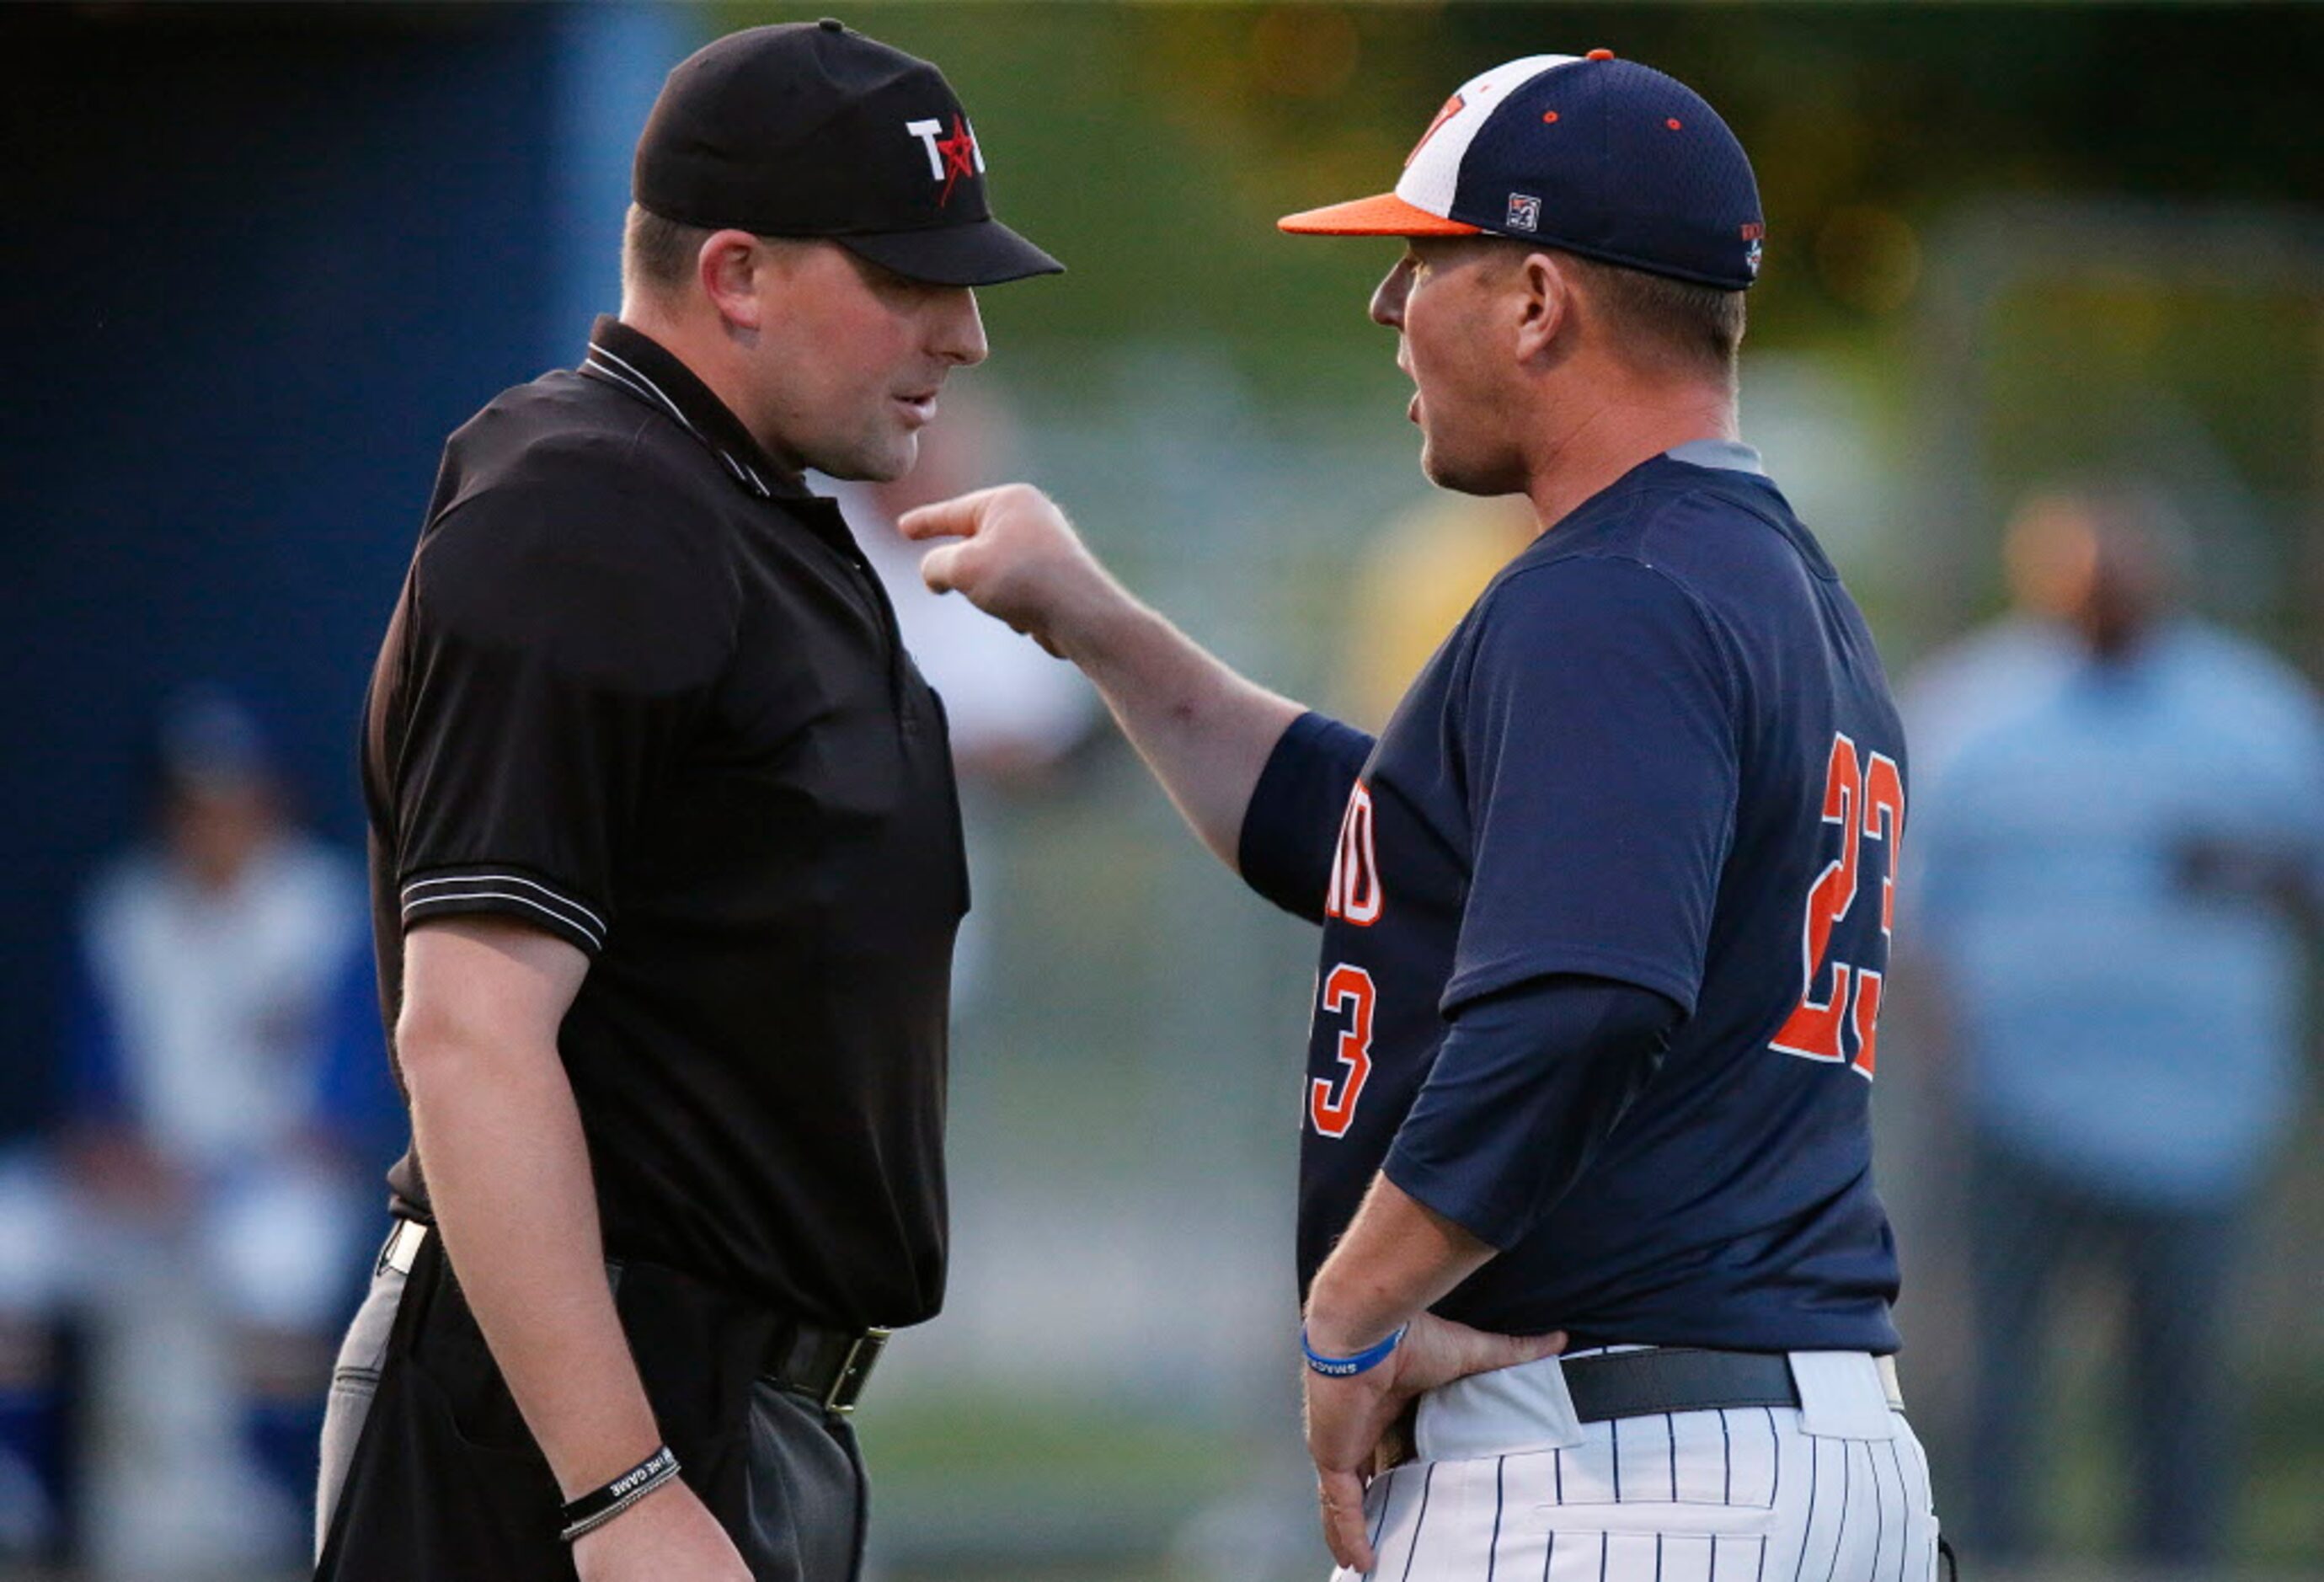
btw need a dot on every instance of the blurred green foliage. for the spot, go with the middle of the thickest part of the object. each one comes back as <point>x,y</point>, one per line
<point>1153,147</point>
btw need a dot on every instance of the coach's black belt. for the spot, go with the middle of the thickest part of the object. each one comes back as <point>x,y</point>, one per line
<point>827,1365</point>
<point>1679,1378</point>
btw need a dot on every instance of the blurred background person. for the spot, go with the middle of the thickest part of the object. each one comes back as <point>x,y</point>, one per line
<point>2118,826</point>
<point>1418,576</point>
<point>1014,713</point>
<point>222,1125</point>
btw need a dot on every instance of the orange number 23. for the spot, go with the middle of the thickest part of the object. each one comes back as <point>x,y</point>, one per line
<point>1864,795</point>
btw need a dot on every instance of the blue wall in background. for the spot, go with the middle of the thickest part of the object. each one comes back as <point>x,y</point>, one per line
<point>257,265</point>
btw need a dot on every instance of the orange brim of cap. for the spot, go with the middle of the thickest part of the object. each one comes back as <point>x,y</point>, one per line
<point>1384,215</point>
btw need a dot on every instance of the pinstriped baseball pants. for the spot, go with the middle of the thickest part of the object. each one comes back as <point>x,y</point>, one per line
<point>1743,1494</point>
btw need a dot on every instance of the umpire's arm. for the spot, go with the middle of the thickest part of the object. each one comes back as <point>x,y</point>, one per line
<point>507,1164</point>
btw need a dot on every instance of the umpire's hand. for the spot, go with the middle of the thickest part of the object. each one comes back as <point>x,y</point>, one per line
<point>669,1536</point>
<point>1019,560</point>
<point>1346,1418</point>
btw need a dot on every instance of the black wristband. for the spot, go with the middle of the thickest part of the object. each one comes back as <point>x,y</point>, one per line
<point>599,1506</point>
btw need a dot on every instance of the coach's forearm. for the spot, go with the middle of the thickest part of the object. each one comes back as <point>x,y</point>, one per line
<point>508,1178</point>
<point>1397,1257</point>
<point>1204,730</point>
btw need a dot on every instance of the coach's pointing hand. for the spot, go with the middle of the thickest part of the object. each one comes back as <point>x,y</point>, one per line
<point>1019,560</point>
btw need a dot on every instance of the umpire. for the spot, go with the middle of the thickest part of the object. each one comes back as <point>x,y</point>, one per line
<point>666,869</point>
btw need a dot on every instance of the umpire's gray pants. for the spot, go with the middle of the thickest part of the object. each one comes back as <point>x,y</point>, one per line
<point>807,1493</point>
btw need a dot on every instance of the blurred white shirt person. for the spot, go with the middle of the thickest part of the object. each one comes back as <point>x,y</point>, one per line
<point>198,1209</point>
<point>2119,835</point>
<point>1014,713</point>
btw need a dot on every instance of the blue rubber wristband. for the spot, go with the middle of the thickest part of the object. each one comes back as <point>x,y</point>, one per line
<point>1348,1367</point>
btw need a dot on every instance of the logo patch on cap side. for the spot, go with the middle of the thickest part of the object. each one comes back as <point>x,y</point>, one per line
<point>1524,212</point>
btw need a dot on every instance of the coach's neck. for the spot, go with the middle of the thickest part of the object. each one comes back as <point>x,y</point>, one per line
<point>1577,460</point>
<point>1606,381</point>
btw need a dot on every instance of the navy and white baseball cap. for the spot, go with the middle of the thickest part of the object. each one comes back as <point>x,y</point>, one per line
<point>1605,158</point>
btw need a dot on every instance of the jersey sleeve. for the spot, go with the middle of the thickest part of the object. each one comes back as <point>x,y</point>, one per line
<point>559,643</point>
<point>1526,1085</point>
<point>1293,821</point>
<point>1596,726</point>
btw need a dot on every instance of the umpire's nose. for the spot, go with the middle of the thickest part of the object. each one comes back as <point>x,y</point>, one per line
<point>960,331</point>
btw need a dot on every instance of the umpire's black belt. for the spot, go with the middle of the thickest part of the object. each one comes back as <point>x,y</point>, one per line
<point>827,1365</point>
<point>1681,1378</point>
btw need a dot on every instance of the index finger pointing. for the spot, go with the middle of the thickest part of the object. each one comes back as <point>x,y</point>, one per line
<point>957,517</point>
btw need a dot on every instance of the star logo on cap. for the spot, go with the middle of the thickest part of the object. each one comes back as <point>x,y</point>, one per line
<point>959,153</point>
<point>1453,107</point>
<point>949,158</point>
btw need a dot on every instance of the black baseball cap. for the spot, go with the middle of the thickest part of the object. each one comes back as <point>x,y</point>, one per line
<point>810,129</point>
<point>1606,158</point>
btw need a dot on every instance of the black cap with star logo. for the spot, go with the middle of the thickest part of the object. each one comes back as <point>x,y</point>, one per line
<point>811,129</point>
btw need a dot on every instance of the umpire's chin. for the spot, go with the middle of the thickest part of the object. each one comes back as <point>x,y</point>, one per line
<point>881,454</point>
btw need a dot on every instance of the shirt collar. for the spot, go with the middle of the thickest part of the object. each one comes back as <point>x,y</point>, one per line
<point>625,356</point>
<point>1731,455</point>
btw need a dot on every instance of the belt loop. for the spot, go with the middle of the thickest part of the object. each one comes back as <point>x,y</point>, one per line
<point>1842,1396</point>
<point>1890,1384</point>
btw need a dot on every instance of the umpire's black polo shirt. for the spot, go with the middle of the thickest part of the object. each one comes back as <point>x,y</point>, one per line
<point>641,693</point>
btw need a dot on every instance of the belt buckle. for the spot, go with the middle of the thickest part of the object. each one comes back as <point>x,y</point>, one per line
<point>847,1388</point>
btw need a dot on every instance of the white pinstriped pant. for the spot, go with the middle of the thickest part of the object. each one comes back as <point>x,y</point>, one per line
<point>1743,1494</point>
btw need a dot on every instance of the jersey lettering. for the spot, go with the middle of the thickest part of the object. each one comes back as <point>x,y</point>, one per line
<point>1866,799</point>
<point>1355,894</point>
<point>1884,822</point>
<point>1347,990</point>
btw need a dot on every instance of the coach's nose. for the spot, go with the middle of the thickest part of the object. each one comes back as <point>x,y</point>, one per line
<point>1387,300</point>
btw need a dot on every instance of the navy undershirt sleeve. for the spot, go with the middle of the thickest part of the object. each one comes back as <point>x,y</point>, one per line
<point>1527,1084</point>
<point>1293,822</point>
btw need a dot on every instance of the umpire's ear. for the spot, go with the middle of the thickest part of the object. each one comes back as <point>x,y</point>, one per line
<point>728,266</point>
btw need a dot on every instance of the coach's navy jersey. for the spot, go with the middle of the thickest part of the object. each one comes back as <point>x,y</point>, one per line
<point>1659,750</point>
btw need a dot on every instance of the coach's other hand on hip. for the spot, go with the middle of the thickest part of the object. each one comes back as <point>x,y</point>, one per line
<point>1348,1417</point>
<point>1397,1258</point>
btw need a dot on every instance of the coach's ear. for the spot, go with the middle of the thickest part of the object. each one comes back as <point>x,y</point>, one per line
<point>1544,293</point>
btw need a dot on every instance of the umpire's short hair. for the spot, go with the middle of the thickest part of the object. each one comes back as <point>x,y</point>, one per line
<point>657,253</point>
<point>1684,325</point>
